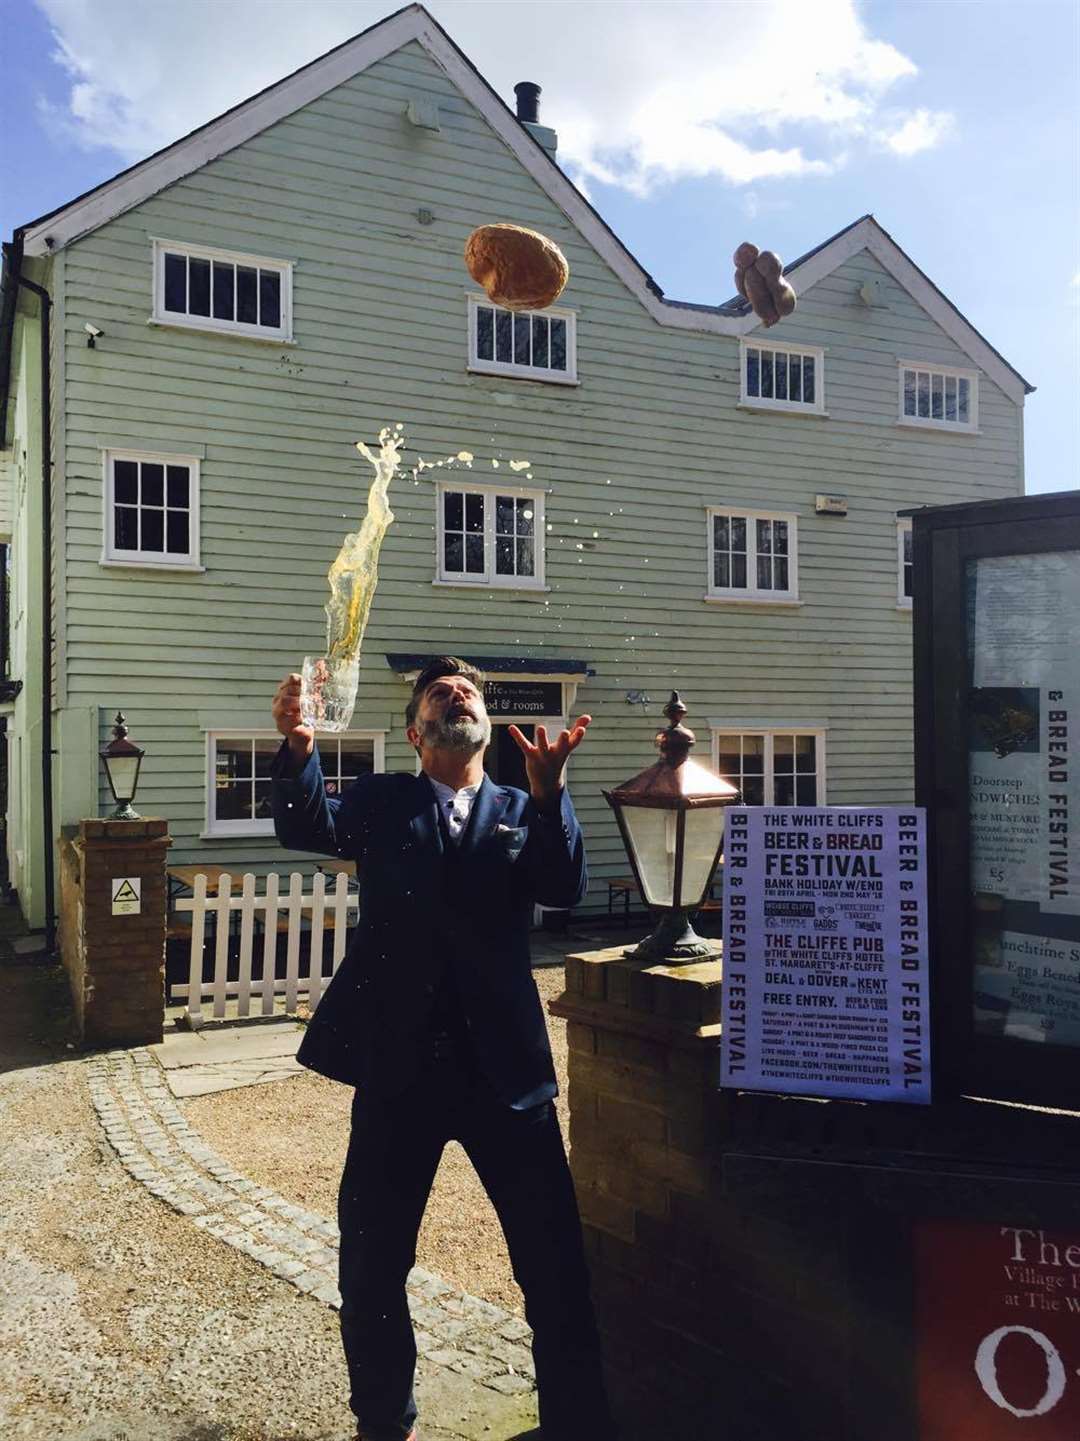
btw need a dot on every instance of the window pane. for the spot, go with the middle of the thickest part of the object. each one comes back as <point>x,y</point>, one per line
<point>907,547</point>
<point>233,760</point>
<point>780,573</point>
<point>753,371</point>
<point>808,380</point>
<point>720,532</point>
<point>963,388</point>
<point>784,791</point>
<point>232,801</point>
<point>727,761</point>
<point>504,556</point>
<point>937,408</point>
<point>525,517</point>
<point>453,553</point>
<point>764,573</point>
<point>754,755</point>
<point>485,332</point>
<point>522,337</point>
<point>474,554</point>
<point>224,281</point>
<point>264,806</point>
<point>126,482</point>
<point>177,477</point>
<point>265,749</point>
<point>474,511</point>
<point>753,790</point>
<point>909,392</point>
<point>764,537</point>
<point>126,528</point>
<point>738,572</point>
<point>177,532</point>
<point>806,753</point>
<point>784,753</point>
<point>525,549</point>
<point>950,397</point>
<point>558,345</point>
<point>153,530</point>
<point>767,374</point>
<point>357,758</point>
<point>247,295</point>
<point>540,329</point>
<point>780,537</point>
<point>504,514</point>
<point>806,790</point>
<point>504,336</point>
<point>738,532</point>
<point>453,510</point>
<point>722,569</point>
<point>924,395</point>
<point>198,286</point>
<point>270,299</point>
<point>780,364</point>
<point>176,282</point>
<point>795,377</point>
<point>153,484</point>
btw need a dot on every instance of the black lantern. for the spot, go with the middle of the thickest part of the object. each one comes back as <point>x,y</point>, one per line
<point>671,818</point>
<point>122,759</point>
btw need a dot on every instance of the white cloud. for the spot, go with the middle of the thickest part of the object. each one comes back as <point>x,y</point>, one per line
<point>921,131</point>
<point>648,92</point>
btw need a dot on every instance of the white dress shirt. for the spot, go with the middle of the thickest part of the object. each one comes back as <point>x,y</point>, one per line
<point>455,805</point>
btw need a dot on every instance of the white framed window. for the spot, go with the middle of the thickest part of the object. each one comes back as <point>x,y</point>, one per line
<point>782,377</point>
<point>238,774</point>
<point>531,344</point>
<point>490,535</point>
<point>151,509</point>
<point>938,397</point>
<point>752,555</point>
<point>773,765</point>
<point>222,290</point>
<point>904,564</point>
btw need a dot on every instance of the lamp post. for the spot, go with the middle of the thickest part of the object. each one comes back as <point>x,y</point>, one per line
<point>122,759</point>
<point>671,818</point>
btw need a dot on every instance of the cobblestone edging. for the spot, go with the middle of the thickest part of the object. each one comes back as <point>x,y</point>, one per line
<point>155,1144</point>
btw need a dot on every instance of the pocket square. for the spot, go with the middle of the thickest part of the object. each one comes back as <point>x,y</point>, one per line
<point>512,839</point>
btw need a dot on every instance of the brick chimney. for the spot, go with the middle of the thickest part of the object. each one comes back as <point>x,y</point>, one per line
<point>527,94</point>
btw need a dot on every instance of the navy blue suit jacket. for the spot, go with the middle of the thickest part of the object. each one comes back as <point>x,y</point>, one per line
<point>371,1020</point>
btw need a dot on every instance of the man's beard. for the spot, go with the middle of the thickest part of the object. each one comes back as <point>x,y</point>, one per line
<point>462,733</point>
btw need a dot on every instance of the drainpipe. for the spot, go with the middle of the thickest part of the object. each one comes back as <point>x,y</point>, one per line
<point>46,612</point>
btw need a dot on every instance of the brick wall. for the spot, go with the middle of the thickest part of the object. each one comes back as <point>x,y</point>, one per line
<point>115,963</point>
<point>751,1255</point>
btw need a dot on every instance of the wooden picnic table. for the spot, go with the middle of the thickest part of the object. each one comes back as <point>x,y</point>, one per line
<point>336,868</point>
<point>184,877</point>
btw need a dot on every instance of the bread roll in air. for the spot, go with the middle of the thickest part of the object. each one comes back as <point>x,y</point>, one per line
<point>759,278</point>
<point>519,269</point>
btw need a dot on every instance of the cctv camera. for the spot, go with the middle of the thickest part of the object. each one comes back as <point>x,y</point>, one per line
<point>93,333</point>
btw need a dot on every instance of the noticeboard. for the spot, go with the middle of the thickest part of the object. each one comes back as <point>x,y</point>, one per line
<point>997,688</point>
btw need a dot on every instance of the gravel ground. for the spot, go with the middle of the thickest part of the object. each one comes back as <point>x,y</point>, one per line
<point>292,1135</point>
<point>122,1321</point>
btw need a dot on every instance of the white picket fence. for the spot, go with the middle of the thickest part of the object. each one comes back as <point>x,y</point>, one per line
<point>331,909</point>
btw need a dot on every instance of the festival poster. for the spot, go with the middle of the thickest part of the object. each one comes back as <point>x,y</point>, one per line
<point>997,1327</point>
<point>1025,795</point>
<point>825,965</point>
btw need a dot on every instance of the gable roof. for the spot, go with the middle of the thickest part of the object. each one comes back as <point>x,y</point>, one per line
<point>68,223</point>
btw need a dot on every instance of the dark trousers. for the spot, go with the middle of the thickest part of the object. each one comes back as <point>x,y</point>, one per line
<point>394,1150</point>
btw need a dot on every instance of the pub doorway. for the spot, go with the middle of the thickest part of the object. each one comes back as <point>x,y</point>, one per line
<point>503,760</point>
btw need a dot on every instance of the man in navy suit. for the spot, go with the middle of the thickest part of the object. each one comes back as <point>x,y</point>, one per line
<point>435,1018</point>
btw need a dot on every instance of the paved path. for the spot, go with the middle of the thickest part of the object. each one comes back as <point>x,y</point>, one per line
<point>149,1292</point>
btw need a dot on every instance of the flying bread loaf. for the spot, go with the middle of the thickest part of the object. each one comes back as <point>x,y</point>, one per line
<point>759,278</point>
<point>520,269</point>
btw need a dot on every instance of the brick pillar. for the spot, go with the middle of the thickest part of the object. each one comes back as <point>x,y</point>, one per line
<point>115,956</point>
<point>643,1060</point>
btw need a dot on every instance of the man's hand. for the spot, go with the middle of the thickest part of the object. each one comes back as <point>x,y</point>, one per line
<point>286,712</point>
<point>545,760</point>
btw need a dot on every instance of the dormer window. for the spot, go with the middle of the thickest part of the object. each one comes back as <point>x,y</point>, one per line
<point>221,290</point>
<point>529,344</point>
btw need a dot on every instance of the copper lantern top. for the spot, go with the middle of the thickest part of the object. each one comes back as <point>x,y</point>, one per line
<point>674,781</point>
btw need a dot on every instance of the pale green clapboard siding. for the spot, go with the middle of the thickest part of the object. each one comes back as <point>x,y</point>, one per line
<point>629,460</point>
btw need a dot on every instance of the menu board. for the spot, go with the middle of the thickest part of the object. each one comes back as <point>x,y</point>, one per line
<point>1024,794</point>
<point>825,956</point>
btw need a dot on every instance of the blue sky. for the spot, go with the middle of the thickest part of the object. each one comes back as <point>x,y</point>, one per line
<point>692,126</point>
